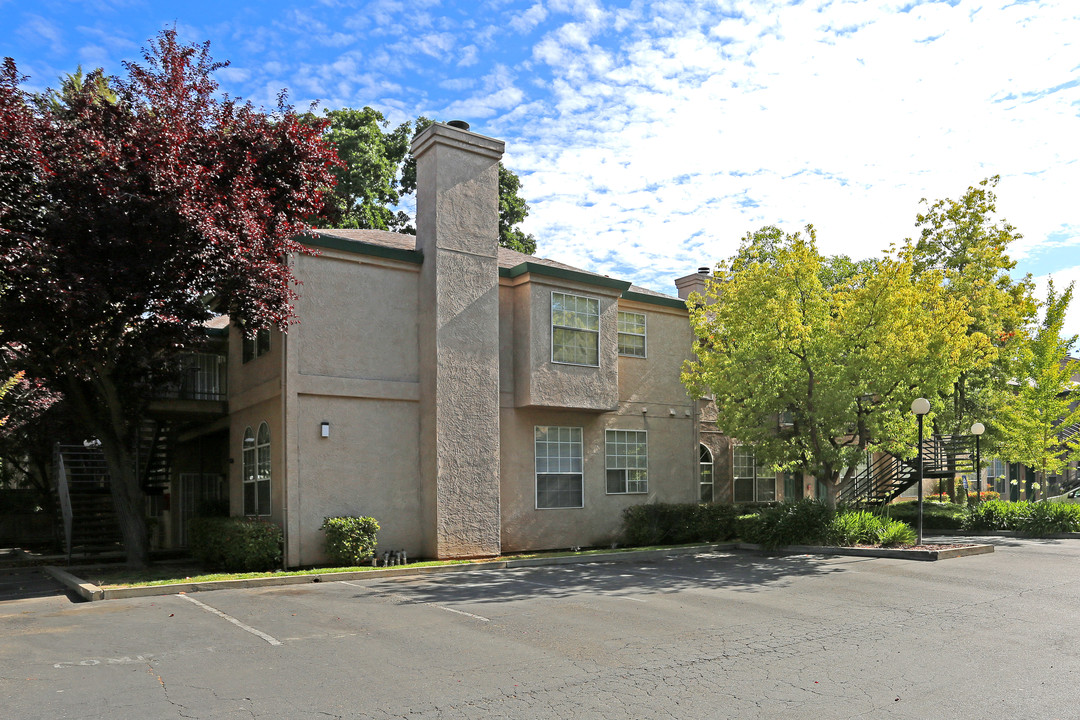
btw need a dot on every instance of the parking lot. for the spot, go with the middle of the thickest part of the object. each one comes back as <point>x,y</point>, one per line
<point>709,636</point>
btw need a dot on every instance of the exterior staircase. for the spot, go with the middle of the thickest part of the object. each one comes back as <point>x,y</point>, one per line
<point>884,479</point>
<point>87,512</point>
<point>86,505</point>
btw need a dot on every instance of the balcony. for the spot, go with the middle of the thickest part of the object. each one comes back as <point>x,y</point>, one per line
<point>201,391</point>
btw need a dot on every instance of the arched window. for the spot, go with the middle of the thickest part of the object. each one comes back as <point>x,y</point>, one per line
<point>262,447</point>
<point>248,453</point>
<point>256,462</point>
<point>705,474</point>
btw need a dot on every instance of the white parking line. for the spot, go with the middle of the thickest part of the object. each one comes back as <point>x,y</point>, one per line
<point>459,612</point>
<point>410,601</point>
<point>230,618</point>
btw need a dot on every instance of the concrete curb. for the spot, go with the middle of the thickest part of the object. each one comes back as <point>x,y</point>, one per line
<point>1003,533</point>
<point>88,591</point>
<point>93,592</point>
<point>894,553</point>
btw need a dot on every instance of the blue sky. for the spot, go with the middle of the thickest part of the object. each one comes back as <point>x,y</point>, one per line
<point>652,136</point>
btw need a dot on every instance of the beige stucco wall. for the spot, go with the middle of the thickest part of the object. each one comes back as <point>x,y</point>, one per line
<point>357,317</point>
<point>457,231</point>
<point>655,378</point>
<point>369,466</point>
<point>624,387</point>
<point>672,476</point>
<point>353,362</point>
<point>539,382</point>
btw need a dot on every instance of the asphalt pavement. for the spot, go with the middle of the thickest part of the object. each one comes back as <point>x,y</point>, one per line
<point>715,635</point>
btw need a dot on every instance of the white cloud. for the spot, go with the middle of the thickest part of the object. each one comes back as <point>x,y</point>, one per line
<point>529,19</point>
<point>700,126</point>
<point>40,30</point>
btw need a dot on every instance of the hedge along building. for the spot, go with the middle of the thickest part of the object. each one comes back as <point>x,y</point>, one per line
<point>474,400</point>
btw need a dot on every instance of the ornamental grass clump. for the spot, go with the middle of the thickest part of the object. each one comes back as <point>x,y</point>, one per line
<point>1047,518</point>
<point>854,527</point>
<point>895,533</point>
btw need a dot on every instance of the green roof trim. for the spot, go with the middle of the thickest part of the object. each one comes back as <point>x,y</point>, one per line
<point>654,299</point>
<point>359,247</point>
<point>217,332</point>
<point>563,274</point>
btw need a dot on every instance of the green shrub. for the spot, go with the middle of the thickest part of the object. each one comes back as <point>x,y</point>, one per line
<point>235,544</point>
<point>996,515</point>
<point>895,534</point>
<point>804,522</point>
<point>677,523</point>
<point>936,516</point>
<point>854,527</point>
<point>748,528</point>
<point>349,540</point>
<point>1046,518</point>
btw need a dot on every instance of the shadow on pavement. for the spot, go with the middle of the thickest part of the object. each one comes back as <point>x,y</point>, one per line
<point>741,572</point>
<point>29,583</point>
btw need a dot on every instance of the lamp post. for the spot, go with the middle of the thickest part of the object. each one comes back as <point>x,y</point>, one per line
<point>977,430</point>
<point>920,406</point>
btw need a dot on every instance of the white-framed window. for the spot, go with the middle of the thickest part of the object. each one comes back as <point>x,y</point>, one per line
<point>997,477</point>
<point>256,469</point>
<point>257,345</point>
<point>632,334</point>
<point>752,483</point>
<point>559,481</point>
<point>575,329</point>
<point>705,473</point>
<point>627,454</point>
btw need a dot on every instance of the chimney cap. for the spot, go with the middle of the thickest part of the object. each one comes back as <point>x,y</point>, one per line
<point>703,270</point>
<point>459,124</point>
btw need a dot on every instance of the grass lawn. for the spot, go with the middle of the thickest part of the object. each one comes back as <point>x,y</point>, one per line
<point>174,573</point>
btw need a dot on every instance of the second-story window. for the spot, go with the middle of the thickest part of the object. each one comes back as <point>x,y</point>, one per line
<point>256,346</point>
<point>575,329</point>
<point>632,334</point>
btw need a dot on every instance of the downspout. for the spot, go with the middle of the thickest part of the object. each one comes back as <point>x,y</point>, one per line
<point>284,454</point>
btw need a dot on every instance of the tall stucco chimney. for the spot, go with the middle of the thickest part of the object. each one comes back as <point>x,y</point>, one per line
<point>694,282</point>
<point>457,230</point>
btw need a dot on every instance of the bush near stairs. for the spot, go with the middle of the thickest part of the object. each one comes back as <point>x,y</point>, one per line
<point>235,544</point>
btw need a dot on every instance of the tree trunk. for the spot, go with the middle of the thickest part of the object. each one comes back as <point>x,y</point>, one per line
<point>130,503</point>
<point>114,431</point>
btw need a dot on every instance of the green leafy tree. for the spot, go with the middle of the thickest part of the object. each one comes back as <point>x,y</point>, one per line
<point>120,215</point>
<point>379,171</point>
<point>967,241</point>
<point>1043,403</point>
<point>512,210</point>
<point>841,363</point>
<point>368,182</point>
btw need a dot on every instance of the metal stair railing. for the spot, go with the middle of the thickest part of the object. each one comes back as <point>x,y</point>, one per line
<point>888,476</point>
<point>65,497</point>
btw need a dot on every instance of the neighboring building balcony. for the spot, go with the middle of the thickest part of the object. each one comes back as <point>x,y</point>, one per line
<point>201,393</point>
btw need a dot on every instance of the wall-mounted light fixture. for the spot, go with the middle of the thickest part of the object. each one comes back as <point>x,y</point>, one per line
<point>644,409</point>
<point>324,429</point>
